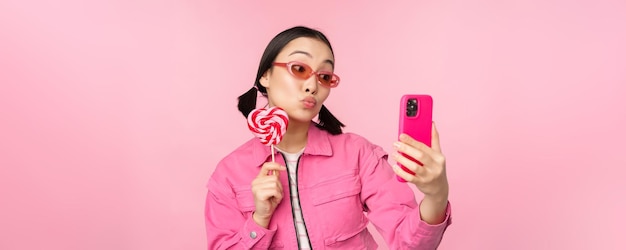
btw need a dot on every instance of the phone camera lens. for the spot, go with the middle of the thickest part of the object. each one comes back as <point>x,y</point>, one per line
<point>411,107</point>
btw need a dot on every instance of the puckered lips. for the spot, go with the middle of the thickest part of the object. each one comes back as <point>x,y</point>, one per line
<point>309,102</point>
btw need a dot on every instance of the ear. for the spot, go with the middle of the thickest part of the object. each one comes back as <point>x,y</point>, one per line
<point>265,79</point>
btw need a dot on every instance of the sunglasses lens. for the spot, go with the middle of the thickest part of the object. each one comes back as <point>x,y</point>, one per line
<point>327,79</point>
<point>300,71</point>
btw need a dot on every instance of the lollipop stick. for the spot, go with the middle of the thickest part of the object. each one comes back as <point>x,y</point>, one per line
<point>272,172</point>
<point>272,147</point>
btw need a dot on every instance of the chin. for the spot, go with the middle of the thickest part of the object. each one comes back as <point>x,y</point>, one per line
<point>301,119</point>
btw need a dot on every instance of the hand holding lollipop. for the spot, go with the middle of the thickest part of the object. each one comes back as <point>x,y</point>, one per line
<point>269,125</point>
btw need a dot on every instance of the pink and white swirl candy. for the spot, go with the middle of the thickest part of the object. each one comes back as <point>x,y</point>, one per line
<point>269,125</point>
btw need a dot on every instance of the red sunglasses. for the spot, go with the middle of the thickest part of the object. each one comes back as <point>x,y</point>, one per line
<point>303,71</point>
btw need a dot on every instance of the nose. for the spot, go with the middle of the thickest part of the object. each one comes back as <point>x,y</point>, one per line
<point>311,85</point>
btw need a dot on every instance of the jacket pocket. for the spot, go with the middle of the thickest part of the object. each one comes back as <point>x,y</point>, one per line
<point>341,186</point>
<point>358,239</point>
<point>244,197</point>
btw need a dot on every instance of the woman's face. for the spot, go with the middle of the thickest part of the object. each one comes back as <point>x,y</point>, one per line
<point>301,99</point>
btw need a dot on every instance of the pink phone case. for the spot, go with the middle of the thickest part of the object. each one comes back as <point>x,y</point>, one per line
<point>416,117</point>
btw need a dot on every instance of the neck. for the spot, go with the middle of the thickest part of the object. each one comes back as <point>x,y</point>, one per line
<point>295,138</point>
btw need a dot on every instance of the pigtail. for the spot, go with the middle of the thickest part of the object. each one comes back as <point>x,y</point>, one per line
<point>247,101</point>
<point>329,122</point>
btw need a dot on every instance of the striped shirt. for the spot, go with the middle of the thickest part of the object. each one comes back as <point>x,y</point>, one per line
<point>292,165</point>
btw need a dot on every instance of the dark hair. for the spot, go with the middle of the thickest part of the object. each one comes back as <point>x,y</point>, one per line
<point>247,101</point>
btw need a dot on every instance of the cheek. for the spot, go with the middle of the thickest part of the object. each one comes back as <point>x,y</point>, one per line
<point>284,90</point>
<point>280,90</point>
<point>284,83</point>
<point>323,94</point>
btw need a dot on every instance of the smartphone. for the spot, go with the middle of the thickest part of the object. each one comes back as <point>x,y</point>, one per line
<point>416,118</point>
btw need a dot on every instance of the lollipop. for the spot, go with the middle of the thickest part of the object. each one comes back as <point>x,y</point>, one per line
<point>269,125</point>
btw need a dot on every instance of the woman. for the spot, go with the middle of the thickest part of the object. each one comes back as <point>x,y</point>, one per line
<point>327,185</point>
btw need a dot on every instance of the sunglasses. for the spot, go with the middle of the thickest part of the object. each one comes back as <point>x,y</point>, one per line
<point>303,71</point>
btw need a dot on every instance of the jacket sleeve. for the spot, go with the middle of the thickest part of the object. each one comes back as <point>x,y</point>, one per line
<point>392,207</point>
<point>227,226</point>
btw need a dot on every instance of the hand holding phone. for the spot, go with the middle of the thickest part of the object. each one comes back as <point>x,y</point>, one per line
<point>415,121</point>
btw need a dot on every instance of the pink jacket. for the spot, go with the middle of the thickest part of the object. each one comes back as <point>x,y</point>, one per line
<point>344,182</point>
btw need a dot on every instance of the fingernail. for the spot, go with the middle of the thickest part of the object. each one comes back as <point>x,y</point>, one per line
<point>396,145</point>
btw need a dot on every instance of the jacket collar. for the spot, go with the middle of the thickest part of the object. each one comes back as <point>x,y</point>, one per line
<point>318,143</point>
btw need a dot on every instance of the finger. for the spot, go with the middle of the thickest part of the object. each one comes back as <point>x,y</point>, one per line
<point>404,175</point>
<point>268,190</point>
<point>266,181</point>
<point>269,183</point>
<point>435,139</point>
<point>273,173</point>
<point>422,154</point>
<point>278,195</point>
<point>410,164</point>
<point>269,193</point>
<point>408,140</point>
<point>269,167</point>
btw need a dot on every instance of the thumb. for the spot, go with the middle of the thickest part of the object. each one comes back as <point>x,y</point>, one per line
<point>435,139</point>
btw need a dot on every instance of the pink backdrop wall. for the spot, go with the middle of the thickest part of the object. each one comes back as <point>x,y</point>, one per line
<point>114,113</point>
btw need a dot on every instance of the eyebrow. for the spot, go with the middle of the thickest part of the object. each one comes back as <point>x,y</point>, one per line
<point>309,55</point>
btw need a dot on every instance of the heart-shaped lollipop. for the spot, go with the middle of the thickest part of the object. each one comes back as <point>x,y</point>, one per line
<point>269,125</point>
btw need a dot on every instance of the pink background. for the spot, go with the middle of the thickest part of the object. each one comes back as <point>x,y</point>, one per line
<point>113,114</point>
